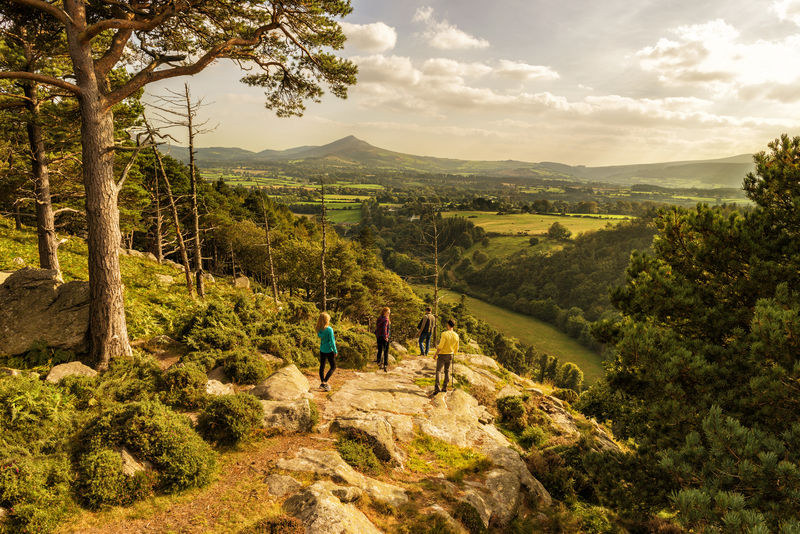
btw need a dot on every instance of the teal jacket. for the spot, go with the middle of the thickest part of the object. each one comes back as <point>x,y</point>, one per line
<point>327,343</point>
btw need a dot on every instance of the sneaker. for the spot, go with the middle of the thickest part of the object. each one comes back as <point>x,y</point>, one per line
<point>327,387</point>
<point>322,386</point>
<point>444,390</point>
<point>385,368</point>
<point>436,391</point>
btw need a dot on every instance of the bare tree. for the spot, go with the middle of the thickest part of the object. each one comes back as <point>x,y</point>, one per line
<point>287,40</point>
<point>178,109</point>
<point>322,256</point>
<point>269,250</point>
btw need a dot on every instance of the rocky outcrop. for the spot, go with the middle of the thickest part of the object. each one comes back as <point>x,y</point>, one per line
<point>217,388</point>
<point>241,282</point>
<point>61,371</point>
<point>284,385</point>
<point>36,306</point>
<point>377,431</point>
<point>288,416</point>
<point>330,464</point>
<point>280,485</point>
<point>323,513</point>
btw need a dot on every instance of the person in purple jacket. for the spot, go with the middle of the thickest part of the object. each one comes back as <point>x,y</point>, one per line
<point>383,329</point>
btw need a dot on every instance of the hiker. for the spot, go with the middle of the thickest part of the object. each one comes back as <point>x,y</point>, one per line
<point>425,329</point>
<point>383,328</point>
<point>445,351</point>
<point>327,349</point>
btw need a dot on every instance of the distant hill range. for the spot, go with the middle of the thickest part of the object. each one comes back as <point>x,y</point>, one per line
<point>353,153</point>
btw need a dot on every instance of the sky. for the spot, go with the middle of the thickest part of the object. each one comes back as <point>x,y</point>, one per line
<point>574,81</point>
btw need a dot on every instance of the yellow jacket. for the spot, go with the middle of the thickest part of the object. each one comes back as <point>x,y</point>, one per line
<point>448,343</point>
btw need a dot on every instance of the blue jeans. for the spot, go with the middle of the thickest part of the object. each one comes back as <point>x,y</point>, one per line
<point>424,338</point>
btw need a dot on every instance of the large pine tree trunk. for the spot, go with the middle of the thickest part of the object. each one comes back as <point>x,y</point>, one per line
<point>45,223</point>
<point>108,332</point>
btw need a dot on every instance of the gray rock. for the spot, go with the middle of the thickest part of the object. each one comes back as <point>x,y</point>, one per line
<point>123,251</point>
<point>376,429</point>
<point>283,385</point>
<point>504,489</point>
<point>346,494</point>
<point>18,262</point>
<point>473,377</point>
<point>161,343</point>
<point>36,306</point>
<point>217,388</point>
<point>323,513</point>
<point>3,515</point>
<point>164,279</point>
<point>280,485</point>
<point>218,374</point>
<point>4,275</point>
<point>207,277</point>
<point>61,371</point>
<point>474,499</point>
<point>508,391</point>
<point>130,465</point>
<point>16,372</point>
<point>480,360</point>
<point>150,256</point>
<point>135,253</point>
<point>287,416</point>
<point>172,264</point>
<point>437,510</point>
<point>330,464</point>
<point>399,348</point>
<point>241,282</point>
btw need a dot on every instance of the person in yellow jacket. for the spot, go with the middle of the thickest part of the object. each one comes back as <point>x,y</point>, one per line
<point>445,352</point>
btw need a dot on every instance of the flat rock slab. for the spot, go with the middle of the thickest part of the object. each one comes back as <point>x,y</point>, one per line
<point>36,307</point>
<point>280,485</point>
<point>287,416</point>
<point>330,464</point>
<point>323,513</point>
<point>376,429</point>
<point>283,385</point>
<point>217,388</point>
<point>61,371</point>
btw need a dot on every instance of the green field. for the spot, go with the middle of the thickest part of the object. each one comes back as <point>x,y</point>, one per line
<point>506,245</point>
<point>531,223</point>
<point>545,337</point>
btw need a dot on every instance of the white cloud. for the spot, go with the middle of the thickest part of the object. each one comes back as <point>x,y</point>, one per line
<point>375,37</point>
<point>444,35</point>
<point>523,71</point>
<point>787,10</point>
<point>449,67</point>
<point>714,57</point>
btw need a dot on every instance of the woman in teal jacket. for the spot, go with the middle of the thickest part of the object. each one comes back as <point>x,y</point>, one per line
<point>327,349</point>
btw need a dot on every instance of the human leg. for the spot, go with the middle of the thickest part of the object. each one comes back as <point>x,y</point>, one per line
<point>422,349</point>
<point>447,361</point>
<point>330,357</point>
<point>427,342</point>
<point>439,365</point>
<point>385,353</point>
<point>322,367</point>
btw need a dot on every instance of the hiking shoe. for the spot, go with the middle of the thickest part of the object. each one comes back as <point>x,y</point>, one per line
<point>385,368</point>
<point>444,390</point>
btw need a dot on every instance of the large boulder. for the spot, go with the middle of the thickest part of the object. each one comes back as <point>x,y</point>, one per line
<point>323,513</point>
<point>217,388</point>
<point>241,282</point>
<point>331,464</point>
<point>375,429</point>
<point>280,485</point>
<point>288,416</point>
<point>283,385</point>
<point>36,306</point>
<point>61,371</point>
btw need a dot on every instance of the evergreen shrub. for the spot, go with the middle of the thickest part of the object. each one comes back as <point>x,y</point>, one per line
<point>566,395</point>
<point>512,412</point>
<point>470,518</point>
<point>205,359</point>
<point>152,432</point>
<point>215,327</point>
<point>184,386</point>
<point>533,436</point>
<point>355,348</point>
<point>230,419</point>
<point>245,366</point>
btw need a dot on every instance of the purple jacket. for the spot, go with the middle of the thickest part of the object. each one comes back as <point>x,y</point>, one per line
<point>382,327</point>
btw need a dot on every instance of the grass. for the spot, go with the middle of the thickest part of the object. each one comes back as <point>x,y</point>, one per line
<point>151,308</point>
<point>531,223</point>
<point>543,336</point>
<point>506,245</point>
<point>427,454</point>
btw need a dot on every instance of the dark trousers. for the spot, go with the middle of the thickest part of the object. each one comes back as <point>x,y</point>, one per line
<point>443,361</point>
<point>383,352</point>
<point>326,357</point>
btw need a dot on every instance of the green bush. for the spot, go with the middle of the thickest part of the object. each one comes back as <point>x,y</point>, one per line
<point>245,367</point>
<point>154,433</point>
<point>35,490</point>
<point>359,454</point>
<point>230,419</point>
<point>314,412</point>
<point>100,478</point>
<point>512,412</point>
<point>287,347</point>
<point>184,386</point>
<point>470,518</point>
<point>215,327</point>
<point>355,348</point>
<point>533,436</point>
<point>205,359</point>
<point>283,524</point>
<point>34,414</point>
<point>594,519</point>
<point>129,379</point>
<point>566,395</point>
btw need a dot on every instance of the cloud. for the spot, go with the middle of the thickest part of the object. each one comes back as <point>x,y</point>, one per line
<point>375,37</point>
<point>712,56</point>
<point>523,71</point>
<point>787,10</point>
<point>450,67</point>
<point>443,35</point>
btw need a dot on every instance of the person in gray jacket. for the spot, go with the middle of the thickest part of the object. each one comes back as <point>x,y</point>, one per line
<point>425,329</point>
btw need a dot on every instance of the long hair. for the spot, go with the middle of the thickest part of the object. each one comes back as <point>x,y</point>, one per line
<point>323,321</point>
<point>385,313</point>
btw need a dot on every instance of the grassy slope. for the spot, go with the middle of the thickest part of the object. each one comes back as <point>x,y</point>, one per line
<point>527,329</point>
<point>530,223</point>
